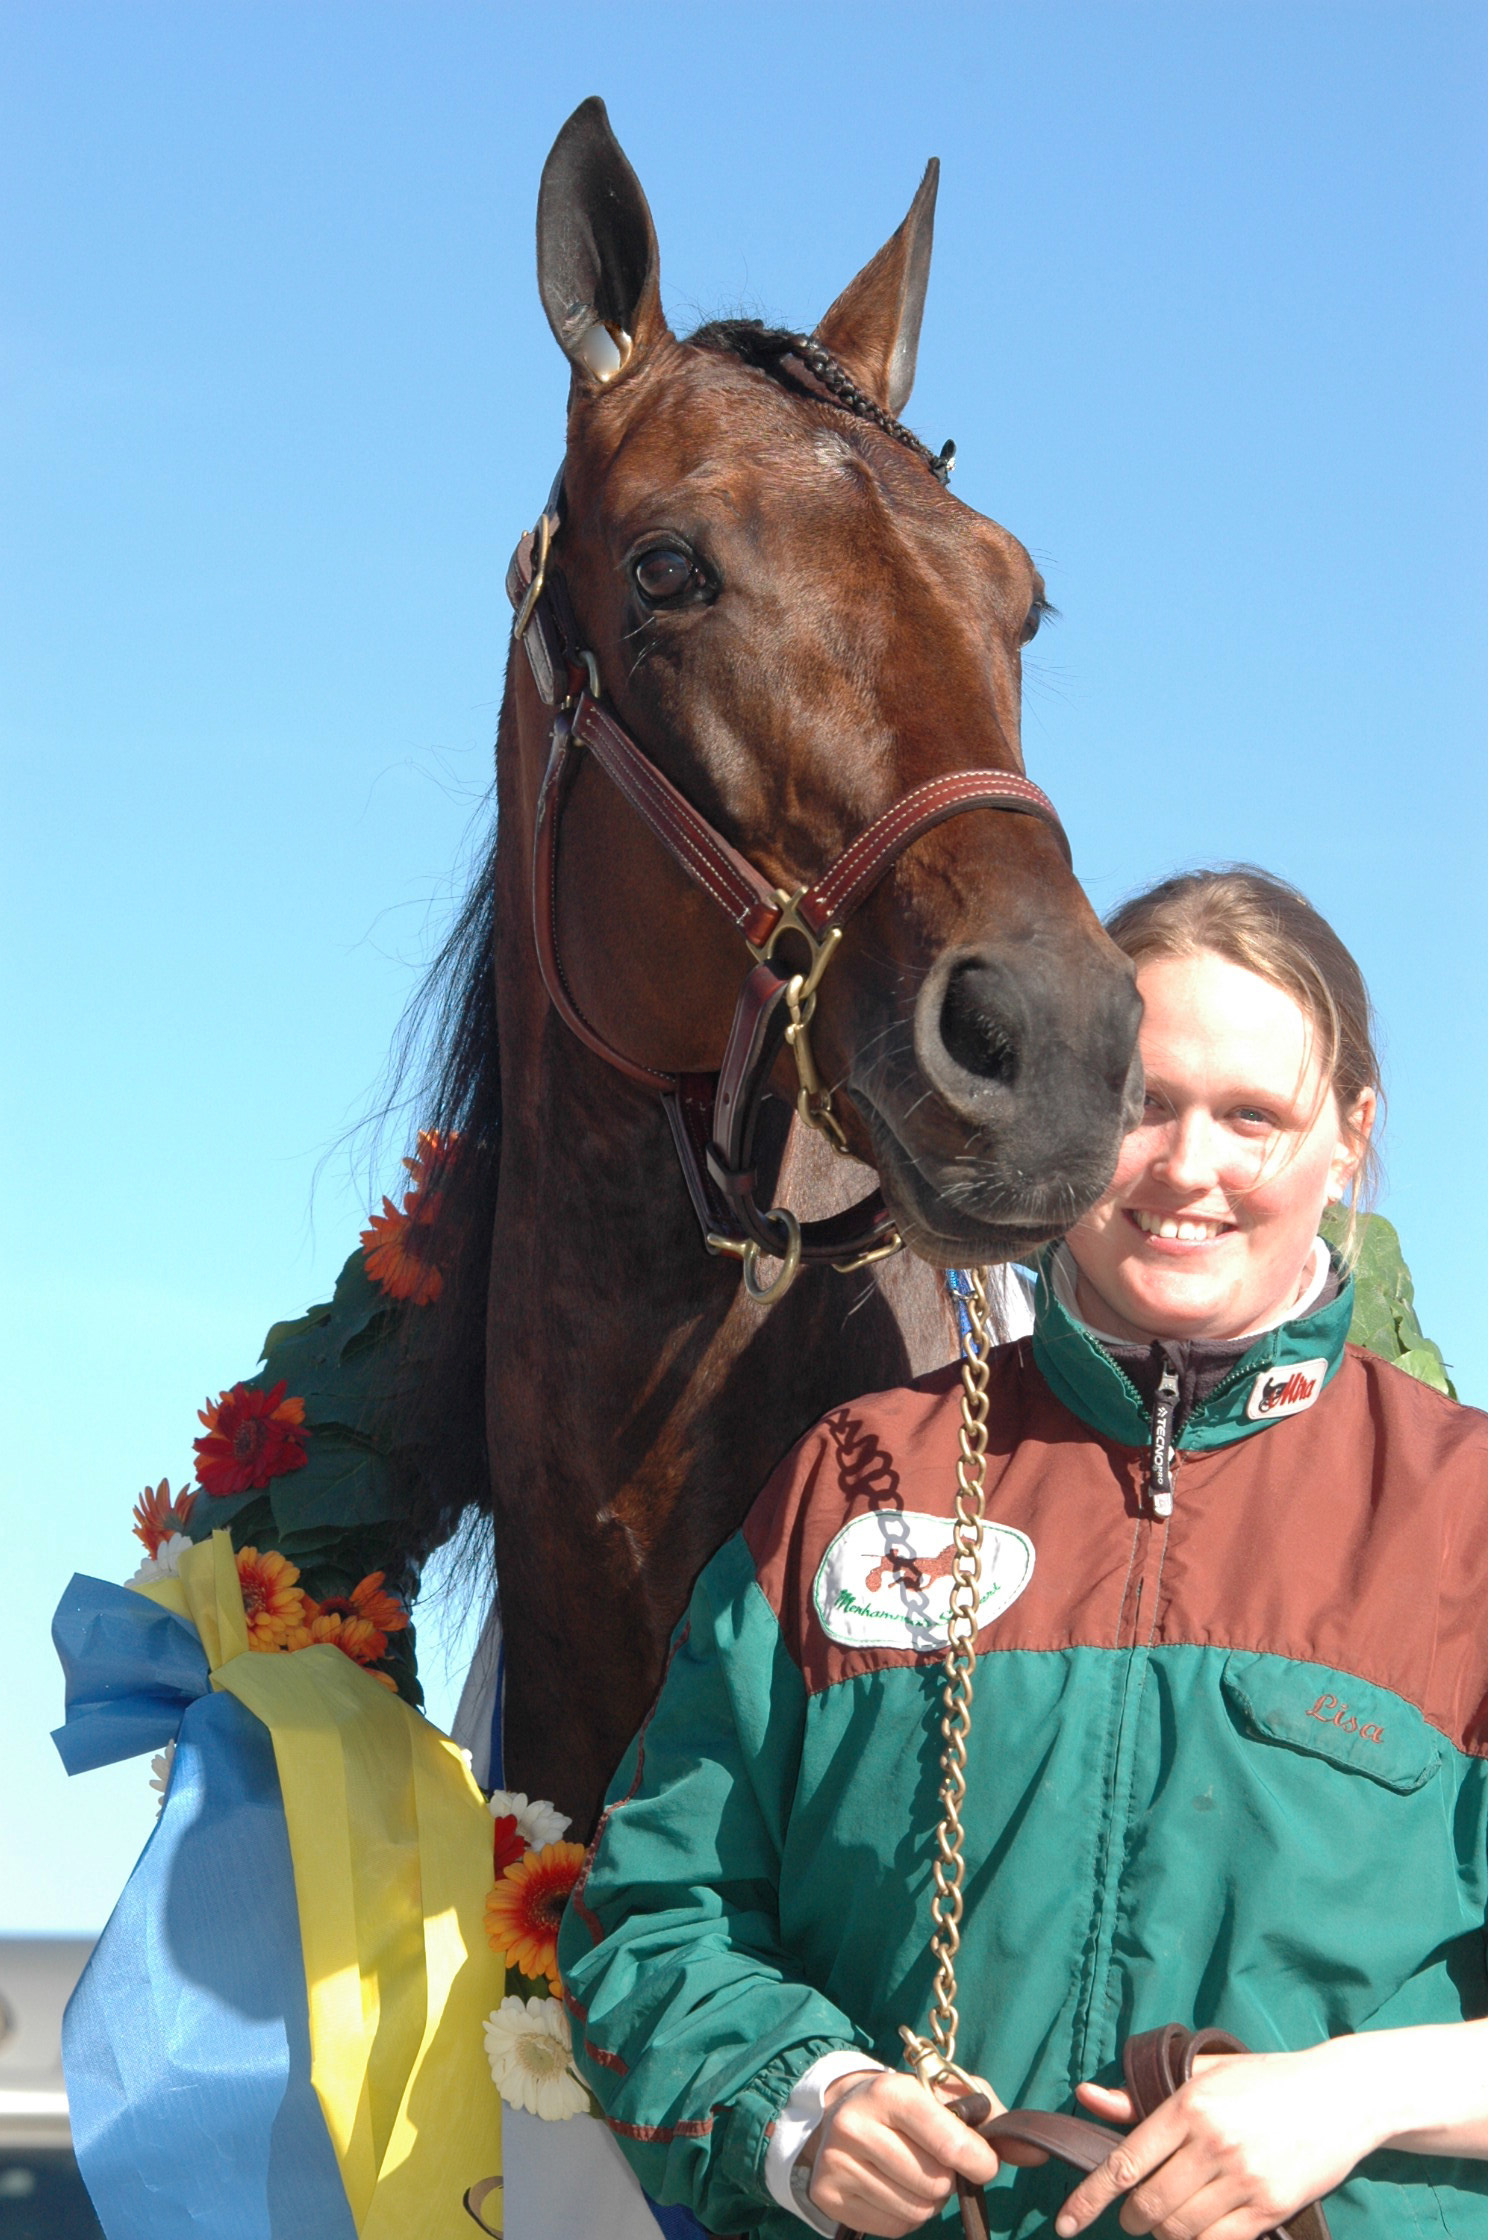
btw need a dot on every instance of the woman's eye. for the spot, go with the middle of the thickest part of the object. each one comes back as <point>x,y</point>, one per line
<point>663,573</point>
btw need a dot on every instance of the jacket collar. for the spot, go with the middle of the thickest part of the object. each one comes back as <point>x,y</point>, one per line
<point>1281,1374</point>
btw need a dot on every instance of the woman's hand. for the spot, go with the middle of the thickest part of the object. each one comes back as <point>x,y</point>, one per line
<point>1247,2142</point>
<point>886,2154</point>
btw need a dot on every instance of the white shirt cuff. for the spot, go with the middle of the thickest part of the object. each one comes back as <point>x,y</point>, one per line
<point>794,2125</point>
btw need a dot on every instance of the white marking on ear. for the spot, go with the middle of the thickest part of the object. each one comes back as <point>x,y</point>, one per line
<point>604,350</point>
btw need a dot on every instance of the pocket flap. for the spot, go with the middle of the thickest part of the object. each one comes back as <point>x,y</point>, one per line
<point>1331,1715</point>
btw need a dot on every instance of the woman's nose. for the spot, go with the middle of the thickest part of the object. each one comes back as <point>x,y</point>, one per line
<point>1187,1159</point>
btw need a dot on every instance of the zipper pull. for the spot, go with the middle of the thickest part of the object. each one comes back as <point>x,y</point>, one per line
<point>1160,1475</point>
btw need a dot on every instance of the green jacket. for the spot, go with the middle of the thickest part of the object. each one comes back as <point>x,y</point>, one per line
<point>1226,1766</point>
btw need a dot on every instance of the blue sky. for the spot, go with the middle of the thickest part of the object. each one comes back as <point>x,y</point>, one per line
<point>1206,321</point>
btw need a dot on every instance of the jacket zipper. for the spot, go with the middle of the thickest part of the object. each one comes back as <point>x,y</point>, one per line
<point>1160,1466</point>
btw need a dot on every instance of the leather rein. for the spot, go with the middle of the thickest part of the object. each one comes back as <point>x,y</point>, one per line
<point>714,1117</point>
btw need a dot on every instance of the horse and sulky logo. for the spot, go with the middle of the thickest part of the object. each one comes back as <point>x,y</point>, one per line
<point>885,1581</point>
<point>1285,1391</point>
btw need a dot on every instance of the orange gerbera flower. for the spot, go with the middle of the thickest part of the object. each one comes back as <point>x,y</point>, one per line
<point>251,1437</point>
<point>273,1599</point>
<point>158,1513</point>
<point>526,1906</point>
<point>399,1243</point>
<point>369,1600</point>
<point>356,1637</point>
<point>433,1154</point>
<point>399,1249</point>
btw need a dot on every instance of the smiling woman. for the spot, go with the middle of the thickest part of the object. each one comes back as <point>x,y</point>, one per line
<point>1231,1694</point>
<point>1262,1096</point>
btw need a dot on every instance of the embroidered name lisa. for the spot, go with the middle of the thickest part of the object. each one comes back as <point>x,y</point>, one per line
<point>1336,1714</point>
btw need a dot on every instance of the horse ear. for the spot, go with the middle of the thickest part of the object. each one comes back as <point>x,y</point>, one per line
<point>873,328</point>
<point>597,267</point>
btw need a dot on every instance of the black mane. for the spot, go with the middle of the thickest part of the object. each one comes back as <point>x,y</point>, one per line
<point>448,1044</point>
<point>808,369</point>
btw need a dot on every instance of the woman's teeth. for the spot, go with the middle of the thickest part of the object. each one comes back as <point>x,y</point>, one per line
<point>1185,1230</point>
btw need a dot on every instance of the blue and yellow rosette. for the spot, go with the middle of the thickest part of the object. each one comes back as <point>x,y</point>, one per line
<point>279,2032</point>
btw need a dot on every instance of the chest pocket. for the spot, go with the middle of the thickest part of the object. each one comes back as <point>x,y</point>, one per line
<point>1333,1716</point>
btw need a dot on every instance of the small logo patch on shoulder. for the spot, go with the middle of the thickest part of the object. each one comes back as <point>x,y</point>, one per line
<point>885,1581</point>
<point>1285,1391</point>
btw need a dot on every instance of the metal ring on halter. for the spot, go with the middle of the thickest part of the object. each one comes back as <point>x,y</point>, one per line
<point>764,1294</point>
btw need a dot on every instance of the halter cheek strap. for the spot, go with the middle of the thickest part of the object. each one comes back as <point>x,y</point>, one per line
<point>714,1117</point>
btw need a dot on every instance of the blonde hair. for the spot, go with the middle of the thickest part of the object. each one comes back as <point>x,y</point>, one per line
<point>1257,921</point>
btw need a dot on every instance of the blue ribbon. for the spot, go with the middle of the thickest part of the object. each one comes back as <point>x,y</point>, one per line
<point>186,2044</point>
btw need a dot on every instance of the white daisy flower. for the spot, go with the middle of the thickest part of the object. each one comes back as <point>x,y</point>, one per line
<point>160,1773</point>
<point>538,1822</point>
<point>530,2052</point>
<point>164,1564</point>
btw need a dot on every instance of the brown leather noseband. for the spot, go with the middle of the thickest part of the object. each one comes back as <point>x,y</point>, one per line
<point>714,1117</point>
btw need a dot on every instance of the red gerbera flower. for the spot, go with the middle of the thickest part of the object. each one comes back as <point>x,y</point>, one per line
<point>158,1513</point>
<point>251,1437</point>
<point>508,1843</point>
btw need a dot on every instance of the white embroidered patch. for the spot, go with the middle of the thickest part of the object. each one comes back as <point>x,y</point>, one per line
<point>885,1581</point>
<point>1285,1391</point>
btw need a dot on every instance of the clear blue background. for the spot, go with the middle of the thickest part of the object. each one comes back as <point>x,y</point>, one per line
<point>1206,320</point>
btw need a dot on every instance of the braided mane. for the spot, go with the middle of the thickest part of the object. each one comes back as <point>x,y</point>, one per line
<point>777,351</point>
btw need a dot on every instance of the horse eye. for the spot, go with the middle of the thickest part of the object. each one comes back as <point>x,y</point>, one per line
<point>1032,620</point>
<point>663,573</point>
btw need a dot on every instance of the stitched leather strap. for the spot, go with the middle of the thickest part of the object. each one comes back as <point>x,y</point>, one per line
<point>1156,2063</point>
<point>557,778</point>
<point>745,898</point>
<point>853,877</point>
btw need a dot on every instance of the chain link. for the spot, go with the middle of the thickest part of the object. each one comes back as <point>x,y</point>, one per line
<point>935,2056</point>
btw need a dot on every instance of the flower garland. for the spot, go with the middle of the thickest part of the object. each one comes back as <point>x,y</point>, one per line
<point>296,1463</point>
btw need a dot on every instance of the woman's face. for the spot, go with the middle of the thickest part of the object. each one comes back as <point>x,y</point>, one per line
<point>1207,1228</point>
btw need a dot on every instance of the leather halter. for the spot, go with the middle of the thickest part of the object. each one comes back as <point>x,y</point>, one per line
<point>714,1117</point>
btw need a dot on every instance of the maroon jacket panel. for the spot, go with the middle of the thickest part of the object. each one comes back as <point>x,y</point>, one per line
<point>1353,1535</point>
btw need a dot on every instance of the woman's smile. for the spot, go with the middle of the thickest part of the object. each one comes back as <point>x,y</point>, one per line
<point>1186,1229</point>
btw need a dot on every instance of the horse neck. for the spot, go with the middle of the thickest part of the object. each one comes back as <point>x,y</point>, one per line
<point>636,1400</point>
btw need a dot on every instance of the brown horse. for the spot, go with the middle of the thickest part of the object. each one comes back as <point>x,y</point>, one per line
<point>799,625</point>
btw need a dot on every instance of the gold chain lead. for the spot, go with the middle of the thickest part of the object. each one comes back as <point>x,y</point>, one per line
<point>935,2056</point>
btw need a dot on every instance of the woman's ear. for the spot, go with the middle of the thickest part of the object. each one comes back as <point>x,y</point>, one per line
<point>597,266</point>
<point>1355,1127</point>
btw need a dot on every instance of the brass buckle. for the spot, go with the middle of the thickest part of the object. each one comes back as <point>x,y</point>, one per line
<point>542,538</point>
<point>813,1098</point>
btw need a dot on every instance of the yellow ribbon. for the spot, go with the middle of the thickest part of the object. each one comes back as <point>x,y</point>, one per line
<point>391,1844</point>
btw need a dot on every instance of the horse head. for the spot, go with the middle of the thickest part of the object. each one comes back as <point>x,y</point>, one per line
<point>801,625</point>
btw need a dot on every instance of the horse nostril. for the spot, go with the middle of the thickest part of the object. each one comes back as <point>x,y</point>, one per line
<point>972,1033</point>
